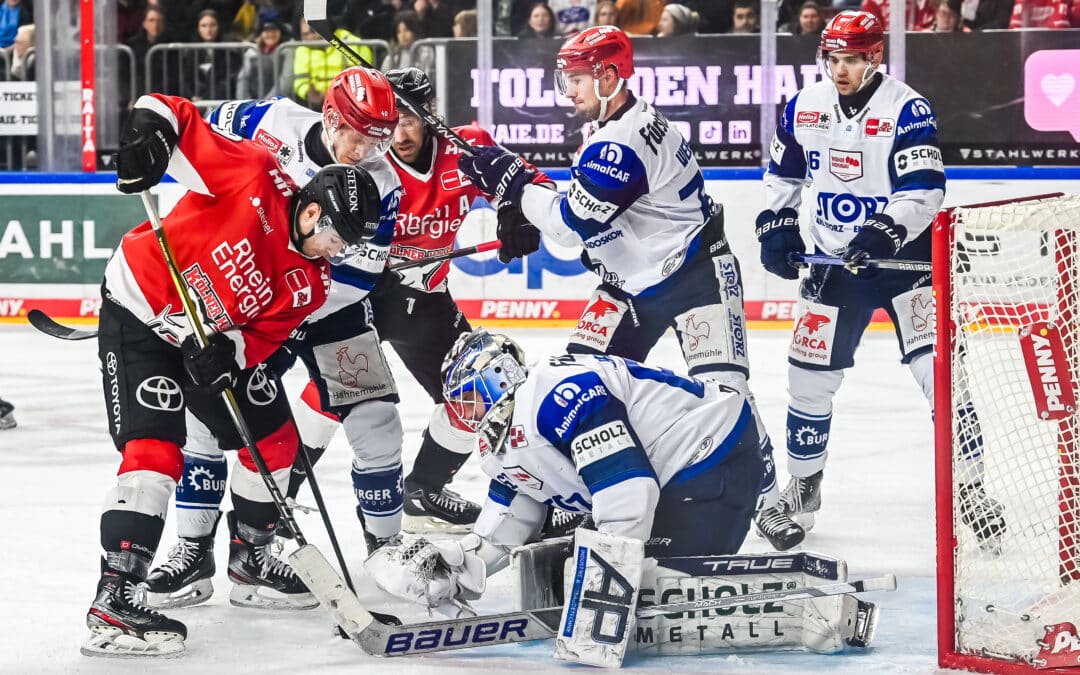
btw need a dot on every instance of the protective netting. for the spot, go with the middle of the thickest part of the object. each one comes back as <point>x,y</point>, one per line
<point>1015,309</point>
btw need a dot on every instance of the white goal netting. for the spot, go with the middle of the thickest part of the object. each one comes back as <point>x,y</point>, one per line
<point>1015,348</point>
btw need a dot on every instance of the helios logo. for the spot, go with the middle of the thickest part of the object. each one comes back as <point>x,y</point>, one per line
<point>1048,371</point>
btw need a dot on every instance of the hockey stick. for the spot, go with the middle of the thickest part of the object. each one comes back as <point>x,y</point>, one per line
<point>231,405</point>
<point>315,14</point>
<point>469,250</point>
<point>878,263</point>
<point>379,639</point>
<point>53,328</point>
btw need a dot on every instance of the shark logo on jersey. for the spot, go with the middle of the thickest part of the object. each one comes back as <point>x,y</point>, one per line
<point>812,339</point>
<point>599,308</point>
<point>812,322</point>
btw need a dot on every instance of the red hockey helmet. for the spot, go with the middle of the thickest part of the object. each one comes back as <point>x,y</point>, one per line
<point>362,100</point>
<point>592,51</point>
<point>859,32</point>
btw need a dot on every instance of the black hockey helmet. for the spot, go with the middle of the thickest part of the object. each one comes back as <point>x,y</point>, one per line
<point>414,82</point>
<point>349,199</point>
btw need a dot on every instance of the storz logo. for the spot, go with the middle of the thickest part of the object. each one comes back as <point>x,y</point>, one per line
<point>847,208</point>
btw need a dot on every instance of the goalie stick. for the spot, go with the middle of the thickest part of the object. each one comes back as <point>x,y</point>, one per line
<point>315,14</point>
<point>379,639</point>
<point>876,263</point>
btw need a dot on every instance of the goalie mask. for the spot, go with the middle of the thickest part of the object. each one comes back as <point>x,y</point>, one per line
<point>480,370</point>
<point>853,33</point>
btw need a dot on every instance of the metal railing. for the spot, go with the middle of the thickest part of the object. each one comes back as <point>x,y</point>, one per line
<point>14,149</point>
<point>220,71</point>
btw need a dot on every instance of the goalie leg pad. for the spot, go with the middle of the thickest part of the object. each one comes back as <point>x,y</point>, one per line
<point>822,625</point>
<point>602,580</point>
<point>538,573</point>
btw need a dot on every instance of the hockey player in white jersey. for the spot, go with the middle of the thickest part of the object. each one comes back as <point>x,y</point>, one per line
<point>666,465</point>
<point>637,205</point>
<point>868,142</point>
<point>338,343</point>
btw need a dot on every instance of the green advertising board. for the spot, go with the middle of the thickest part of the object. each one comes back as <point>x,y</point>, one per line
<point>62,239</point>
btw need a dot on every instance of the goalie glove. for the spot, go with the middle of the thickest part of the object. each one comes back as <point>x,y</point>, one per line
<point>443,577</point>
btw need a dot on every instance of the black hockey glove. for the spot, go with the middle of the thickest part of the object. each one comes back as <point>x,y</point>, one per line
<point>779,236</point>
<point>497,172</point>
<point>518,236</point>
<point>146,144</point>
<point>879,237</point>
<point>214,366</point>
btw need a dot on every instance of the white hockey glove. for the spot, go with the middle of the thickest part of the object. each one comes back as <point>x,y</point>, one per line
<point>440,576</point>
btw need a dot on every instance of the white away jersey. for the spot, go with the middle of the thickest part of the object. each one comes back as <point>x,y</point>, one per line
<point>885,159</point>
<point>603,434</point>
<point>287,129</point>
<point>636,200</point>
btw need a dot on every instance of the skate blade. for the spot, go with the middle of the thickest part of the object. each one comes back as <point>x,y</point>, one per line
<point>806,520</point>
<point>261,597</point>
<point>432,525</point>
<point>113,643</point>
<point>195,593</point>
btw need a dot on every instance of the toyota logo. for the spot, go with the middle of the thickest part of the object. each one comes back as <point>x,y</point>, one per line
<point>261,389</point>
<point>160,393</point>
<point>110,363</point>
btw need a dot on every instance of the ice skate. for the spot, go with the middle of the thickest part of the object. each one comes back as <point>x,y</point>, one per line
<point>438,511</point>
<point>776,527</point>
<point>184,579</point>
<point>122,627</point>
<point>984,515</point>
<point>260,579</point>
<point>801,499</point>
<point>7,416</point>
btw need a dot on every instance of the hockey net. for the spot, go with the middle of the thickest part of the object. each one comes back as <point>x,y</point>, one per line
<point>1007,283</point>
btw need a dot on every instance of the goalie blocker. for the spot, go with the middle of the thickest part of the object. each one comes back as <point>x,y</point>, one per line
<point>543,570</point>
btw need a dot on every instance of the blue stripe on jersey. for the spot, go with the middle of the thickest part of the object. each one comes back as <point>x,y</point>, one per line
<point>577,399</point>
<point>622,466</point>
<point>792,162</point>
<point>607,180</point>
<point>721,451</point>
<point>351,276</point>
<point>365,279</point>
<point>501,494</point>
<point>916,128</point>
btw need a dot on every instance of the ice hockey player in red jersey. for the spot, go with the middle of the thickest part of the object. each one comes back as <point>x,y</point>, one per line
<point>414,310</point>
<point>253,249</point>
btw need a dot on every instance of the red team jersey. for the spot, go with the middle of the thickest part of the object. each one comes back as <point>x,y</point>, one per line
<point>230,237</point>
<point>435,204</point>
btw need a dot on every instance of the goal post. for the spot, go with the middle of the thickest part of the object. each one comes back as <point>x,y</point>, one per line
<point>1006,278</point>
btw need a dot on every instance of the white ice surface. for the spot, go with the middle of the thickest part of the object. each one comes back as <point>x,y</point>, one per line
<point>55,466</point>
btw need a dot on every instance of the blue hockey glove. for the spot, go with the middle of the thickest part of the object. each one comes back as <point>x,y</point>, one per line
<point>497,172</point>
<point>779,237</point>
<point>879,237</point>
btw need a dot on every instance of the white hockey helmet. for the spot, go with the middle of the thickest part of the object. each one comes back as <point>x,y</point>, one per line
<point>479,370</point>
